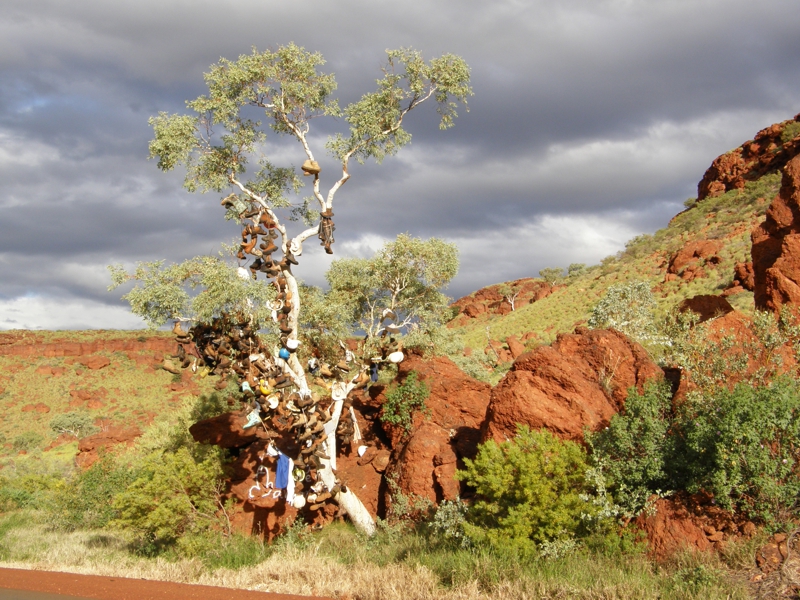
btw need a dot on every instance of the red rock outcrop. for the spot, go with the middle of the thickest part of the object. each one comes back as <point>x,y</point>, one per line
<point>690,522</point>
<point>96,362</point>
<point>423,462</point>
<point>580,381</point>
<point>489,300</point>
<point>768,152</point>
<point>688,262</point>
<point>29,344</point>
<point>89,446</point>
<point>706,306</point>
<point>776,246</point>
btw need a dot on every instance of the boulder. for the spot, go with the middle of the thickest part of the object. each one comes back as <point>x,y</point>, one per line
<point>706,306</point>
<point>95,362</point>
<point>423,461</point>
<point>89,446</point>
<point>580,381</point>
<point>743,275</point>
<point>690,522</point>
<point>689,260</point>
<point>515,347</point>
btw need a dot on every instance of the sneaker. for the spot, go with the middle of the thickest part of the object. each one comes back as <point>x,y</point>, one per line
<point>252,420</point>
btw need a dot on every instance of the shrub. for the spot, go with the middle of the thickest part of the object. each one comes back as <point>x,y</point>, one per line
<point>403,400</point>
<point>635,447</point>
<point>531,492</point>
<point>74,423</point>
<point>172,495</point>
<point>27,490</point>
<point>85,500</point>
<point>448,522</point>
<point>629,308</point>
<point>28,441</point>
<point>552,275</point>
<point>743,446</point>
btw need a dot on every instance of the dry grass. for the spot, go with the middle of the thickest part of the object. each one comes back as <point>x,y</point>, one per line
<point>309,569</point>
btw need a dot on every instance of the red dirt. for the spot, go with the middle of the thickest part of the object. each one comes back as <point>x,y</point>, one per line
<point>692,522</point>
<point>121,588</point>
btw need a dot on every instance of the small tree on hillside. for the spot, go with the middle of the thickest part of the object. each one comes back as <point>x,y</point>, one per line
<point>510,293</point>
<point>629,308</point>
<point>222,139</point>
<point>402,279</point>
<point>552,275</point>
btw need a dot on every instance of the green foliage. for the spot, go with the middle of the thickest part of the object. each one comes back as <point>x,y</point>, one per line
<point>85,500</point>
<point>552,275</point>
<point>27,441</point>
<point>576,270</point>
<point>791,131</point>
<point>172,494</point>
<point>376,120</point>
<point>77,424</point>
<point>288,87</point>
<point>448,522</point>
<point>531,492</point>
<point>325,319</point>
<point>635,449</point>
<point>163,293</point>
<point>405,399</point>
<point>628,308</point>
<point>26,490</point>
<point>405,276</point>
<point>741,445</point>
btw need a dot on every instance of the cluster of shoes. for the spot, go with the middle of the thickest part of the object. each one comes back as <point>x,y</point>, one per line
<point>346,430</point>
<point>258,241</point>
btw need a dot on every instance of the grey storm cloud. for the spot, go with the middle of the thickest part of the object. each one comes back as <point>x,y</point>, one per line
<point>592,121</point>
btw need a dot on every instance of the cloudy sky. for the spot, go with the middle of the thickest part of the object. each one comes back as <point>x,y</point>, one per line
<point>592,122</point>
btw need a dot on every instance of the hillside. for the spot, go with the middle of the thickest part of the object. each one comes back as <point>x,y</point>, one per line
<point>114,377</point>
<point>696,253</point>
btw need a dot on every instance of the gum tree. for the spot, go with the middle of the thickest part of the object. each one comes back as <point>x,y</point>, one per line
<point>222,146</point>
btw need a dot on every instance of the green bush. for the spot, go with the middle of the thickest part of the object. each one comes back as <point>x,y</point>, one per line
<point>629,308</point>
<point>85,500</point>
<point>741,445</point>
<point>403,400</point>
<point>30,440</point>
<point>635,449</point>
<point>531,493</point>
<point>552,275</point>
<point>26,490</point>
<point>77,424</point>
<point>172,495</point>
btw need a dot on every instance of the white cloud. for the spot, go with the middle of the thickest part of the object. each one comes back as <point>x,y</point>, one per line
<point>40,312</point>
